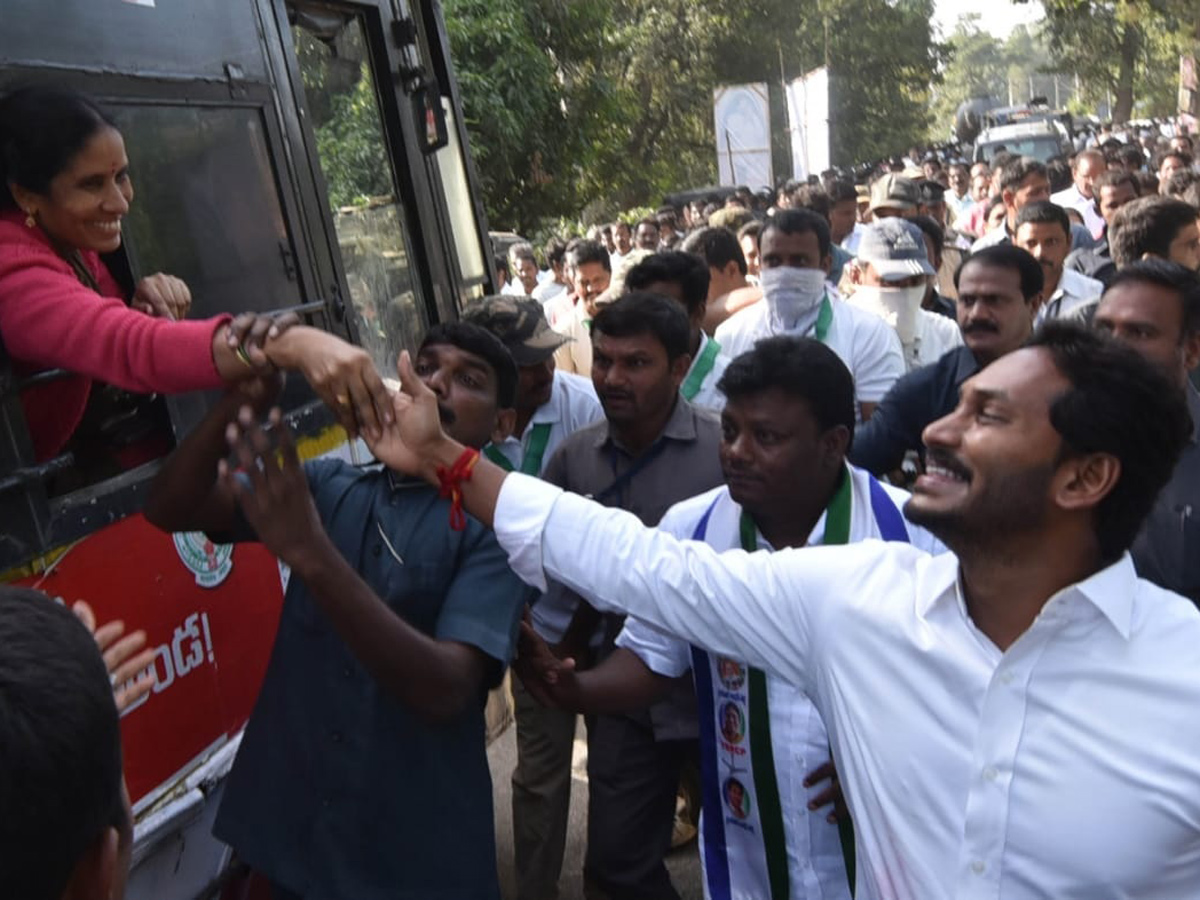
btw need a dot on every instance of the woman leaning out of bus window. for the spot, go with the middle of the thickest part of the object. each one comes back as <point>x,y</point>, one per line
<point>64,189</point>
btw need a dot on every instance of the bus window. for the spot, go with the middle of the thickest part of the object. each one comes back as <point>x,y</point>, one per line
<point>343,107</point>
<point>207,208</point>
<point>458,201</point>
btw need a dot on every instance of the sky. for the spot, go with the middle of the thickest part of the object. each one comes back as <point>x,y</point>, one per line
<point>999,17</point>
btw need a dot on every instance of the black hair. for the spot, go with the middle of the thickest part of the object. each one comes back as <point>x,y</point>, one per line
<point>1018,170</point>
<point>1001,159</point>
<point>841,190</point>
<point>814,198</point>
<point>718,247</point>
<point>1148,225</point>
<point>482,343</point>
<point>1045,213</point>
<point>1179,182</point>
<point>617,224</point>
<point>648,220</point>
<point>60,745</point>
<point>1182,155</point>
<point>590,252</point>
<point>555,252</point>
<point>666,215</point>
<point>1058,173</point>
<point>42,128</point>
<point>1131,157</point>
<point>801,221</point>
<point>641,312</point>
<point>1121,404</point>
<point>1169,275</point>
<point>1113,178</point>
<point>933,228</point>
<point>500,261</point>
<point>801,367</point>
<point>1008,256</point>
<point>684,269</point>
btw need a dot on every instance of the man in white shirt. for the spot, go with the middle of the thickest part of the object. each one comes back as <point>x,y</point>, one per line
<point>790,409</point>
<point>684,278</point>
<point>1015,719</point>
<point>892,275</point>
<point>1044,231</point>
<point>795,261</point>
<point>1022,181</point>
<point>555,282</point>
<point>590,273</point>
<point>622,242</point>
<point>1086,167</point>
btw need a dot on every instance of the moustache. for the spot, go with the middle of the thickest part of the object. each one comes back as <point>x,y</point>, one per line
<point>615,395</point>
<point>943,460</point>
<point>447,415</point>
<point>980,328</point>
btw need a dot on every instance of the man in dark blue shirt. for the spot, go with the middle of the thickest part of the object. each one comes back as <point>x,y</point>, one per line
<point>363,773</point>
<point>999,291</point>
<point>1154,306</point>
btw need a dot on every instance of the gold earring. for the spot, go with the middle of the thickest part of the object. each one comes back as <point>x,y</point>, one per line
<point>30,221</point>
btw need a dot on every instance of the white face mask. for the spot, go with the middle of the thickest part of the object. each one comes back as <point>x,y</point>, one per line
<point>898,306</point>
<point>792,295</point>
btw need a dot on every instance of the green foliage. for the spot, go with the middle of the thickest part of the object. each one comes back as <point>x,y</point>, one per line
<point>582,108</point>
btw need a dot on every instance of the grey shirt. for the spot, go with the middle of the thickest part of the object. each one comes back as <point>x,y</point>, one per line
<point>1167,551</point>
<point>682,463</point>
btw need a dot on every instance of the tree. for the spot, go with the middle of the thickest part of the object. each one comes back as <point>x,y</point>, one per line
<point>1126,49</point>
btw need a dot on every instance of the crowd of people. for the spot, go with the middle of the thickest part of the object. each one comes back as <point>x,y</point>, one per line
<point>858,516</point>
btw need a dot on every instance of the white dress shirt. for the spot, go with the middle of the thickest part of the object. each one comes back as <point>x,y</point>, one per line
<point>1075,291</point>
<point>865,343</point>
<point>799,742</point>
<point>1071,198</point>
<point>1067,766</point>
<point>572,405</point>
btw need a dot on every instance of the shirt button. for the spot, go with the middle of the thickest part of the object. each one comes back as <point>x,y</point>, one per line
<point>1006,678</point>
<point>990,773</point>
<point>978,866</point>
<point>336,737</point>
<point>376,550</point>
<point>348,672</point>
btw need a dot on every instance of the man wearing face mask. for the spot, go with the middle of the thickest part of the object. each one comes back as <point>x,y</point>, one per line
<point>795,249</point>
<point>999,292</point>
<point>891,276</point>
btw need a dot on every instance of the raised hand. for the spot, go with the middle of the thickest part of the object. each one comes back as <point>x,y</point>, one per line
<point>162,296</point>
<point>124,655</point>
<point>410,441</point>
<point>271,487</point>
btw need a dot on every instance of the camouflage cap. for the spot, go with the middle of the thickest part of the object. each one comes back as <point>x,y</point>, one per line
<point>520,325</point>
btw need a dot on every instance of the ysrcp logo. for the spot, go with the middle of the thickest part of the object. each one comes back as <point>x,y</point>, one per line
<point>210,563</point>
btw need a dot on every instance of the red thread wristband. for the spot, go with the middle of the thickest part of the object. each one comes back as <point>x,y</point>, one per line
<point>450,483</point>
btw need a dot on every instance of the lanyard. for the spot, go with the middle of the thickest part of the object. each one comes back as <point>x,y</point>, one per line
<point>535,452</point>
<point>625,477</point>
<point>700,371</point>
<point>837,531</point>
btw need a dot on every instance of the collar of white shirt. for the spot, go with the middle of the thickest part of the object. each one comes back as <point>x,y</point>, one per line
<point>1111,590</point>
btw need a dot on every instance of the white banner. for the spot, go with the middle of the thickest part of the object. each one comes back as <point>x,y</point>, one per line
<point>808,123</point>
<point>743,123</point>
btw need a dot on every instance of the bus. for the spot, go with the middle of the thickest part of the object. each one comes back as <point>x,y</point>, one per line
<point>287,155</point>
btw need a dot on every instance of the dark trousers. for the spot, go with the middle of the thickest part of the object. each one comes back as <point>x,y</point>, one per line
<point>632,784</point>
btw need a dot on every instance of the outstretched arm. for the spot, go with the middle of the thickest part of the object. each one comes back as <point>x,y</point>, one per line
<point>762,608</point>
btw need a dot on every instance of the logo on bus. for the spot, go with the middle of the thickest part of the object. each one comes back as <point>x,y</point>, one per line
<point>210,563</point>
